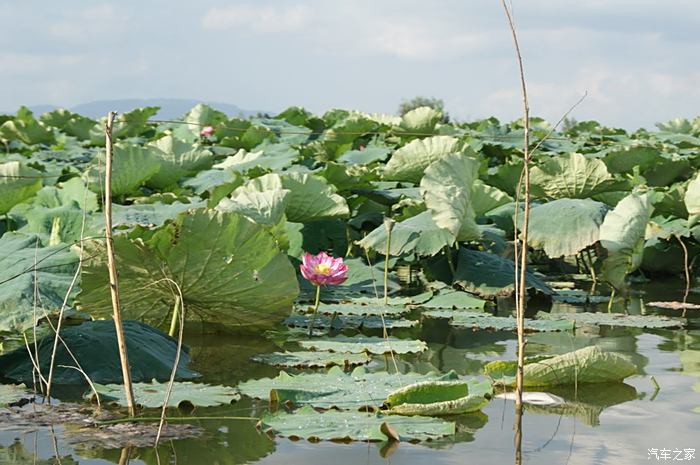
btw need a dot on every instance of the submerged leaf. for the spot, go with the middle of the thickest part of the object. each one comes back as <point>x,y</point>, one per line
<point>614,319</point>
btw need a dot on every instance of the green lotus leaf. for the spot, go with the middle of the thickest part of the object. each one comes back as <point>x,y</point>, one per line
<point>132,166</point>
<point>263,207</point>
<point>587,365</point>
<point>435,398</point>
<point>94,345</point>
<point>216,184</point>
<point>271,159</point>
<point>365,156</point>
<point>574,177</point>
<point>360,344</point>
<point>152,395</point>
<point>566,226</point>
<point>354,309</point>
<point>486,198</point>
<point>692,201</point>
<point>488,275</point>
<point>418,234</point>
<point>69,123</point>
<point>17,183</point>
<point>335,388</point>
<point>410,161</point>
<point>58,225</point>
<point>229,269</point>
<point>446,187</point>
<point>420,121</point>
<point>130,124</point>
<point>311,359</point>
<point>427,392</point>
<point>178,159</point>
<point>476,320</point>
<point>614,319</point>
<point>353,426</point>
<point>72,191</point>
<point>22,259</point>
<point>26,129</point>
<point>622,234</point>
<point>505,177</point>
<point>452,298</point>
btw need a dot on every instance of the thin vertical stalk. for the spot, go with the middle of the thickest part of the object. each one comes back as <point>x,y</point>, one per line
<point>389,225</point>
<point>173,321</point>
<point>112,268</point>
<point>520,298</point>
<point>686,269</point>
<point>316,304</point>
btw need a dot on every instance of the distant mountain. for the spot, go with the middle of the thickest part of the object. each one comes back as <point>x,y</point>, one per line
<point>169,107</point>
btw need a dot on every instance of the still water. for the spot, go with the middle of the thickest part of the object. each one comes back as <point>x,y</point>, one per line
<point>616,424</point>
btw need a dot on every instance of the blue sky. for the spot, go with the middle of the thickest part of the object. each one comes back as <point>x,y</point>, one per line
<point>637,59</point>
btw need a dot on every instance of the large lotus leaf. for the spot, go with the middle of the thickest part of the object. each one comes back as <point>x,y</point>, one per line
<point>565,226</point>
<point>60,224</point>
<point>625,158</point>
<point>614,319</point>
<point>228,268</point>
<point>680,126</point>
<point>94,345</point>
<point>587,365</point>
<point>353,426</point>
<point>692,201</point>
<point>10,393</point>
<point>311,359</point>
<point>622,234</point>
<point>427,392</point>
<point>152,395</point>
<point>661,229</point>
<point>216,184</point>
<point>310,198</point>
<point>505,177</point>
<point>65,193</point>
<point>263,207</point>
<point>69,123</point>
<point>575,177</point>
<point>178,159</point>
<point>28,130</point>
<point>410,161</point>
<point>132,166</point>
<point>485,198</point>
<point>488,275</point>
<point>130,124</point>
<point>17,183</point>
<point>368,344</point>
<point>446,187</point>
<point>243,161</point>
<point>22,259</point>
<point>418,234</point>
<point>420,121</point>
<point>365,156</point>
<point>335,388</point>
<point>474,320</point>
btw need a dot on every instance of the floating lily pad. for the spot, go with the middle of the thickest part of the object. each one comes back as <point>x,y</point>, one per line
<point>587,365</point>
<point>335,388</point>
<point>349,321</point>
<point>359,344</point>
<point>614,319</point>
<point>357,309</point>
<point>152,395</point>
<point>353,426</point>
<point>577,296</point>
<point>474,320</point>
<point>451,298</point>
<point>674,305</point>
<point>311,359</point>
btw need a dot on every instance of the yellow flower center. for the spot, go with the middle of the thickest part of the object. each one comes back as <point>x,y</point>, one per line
<point>323,268</point>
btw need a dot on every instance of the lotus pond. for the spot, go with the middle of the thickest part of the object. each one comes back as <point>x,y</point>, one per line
<point>408,358</point>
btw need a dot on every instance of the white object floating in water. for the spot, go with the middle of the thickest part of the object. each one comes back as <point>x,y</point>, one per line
<point>535,398</point>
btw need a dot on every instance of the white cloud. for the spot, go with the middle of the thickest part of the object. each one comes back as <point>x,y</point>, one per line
<point>95,23</point>
<point>266,19</point>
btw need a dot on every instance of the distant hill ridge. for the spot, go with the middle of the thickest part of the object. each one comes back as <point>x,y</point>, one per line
<point>169,107</point>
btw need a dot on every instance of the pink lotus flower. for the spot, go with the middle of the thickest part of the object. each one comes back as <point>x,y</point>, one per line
<point>207,131</point>
<point>323,269</point>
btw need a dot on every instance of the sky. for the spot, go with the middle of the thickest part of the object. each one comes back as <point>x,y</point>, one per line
<point>637,60</point>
